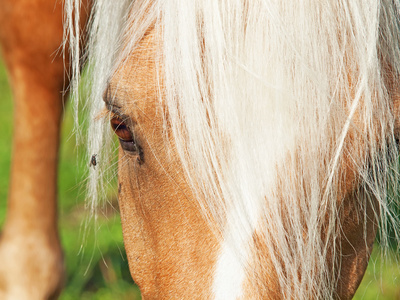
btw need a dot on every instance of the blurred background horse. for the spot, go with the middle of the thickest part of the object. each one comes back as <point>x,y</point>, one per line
<point>31,37</point>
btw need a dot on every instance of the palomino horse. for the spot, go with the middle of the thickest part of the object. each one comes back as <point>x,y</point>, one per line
<point>31,260</point>
<point>257,141</point>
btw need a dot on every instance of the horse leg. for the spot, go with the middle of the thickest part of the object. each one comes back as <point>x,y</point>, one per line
<point>31,260</point>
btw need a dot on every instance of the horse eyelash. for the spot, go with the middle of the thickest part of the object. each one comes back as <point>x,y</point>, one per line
<point>108,113</point>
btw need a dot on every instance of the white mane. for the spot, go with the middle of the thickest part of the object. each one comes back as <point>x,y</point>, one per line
<point>265,99</point>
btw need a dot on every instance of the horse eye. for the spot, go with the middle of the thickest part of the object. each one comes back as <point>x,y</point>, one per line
<point>121,130</point>
<point>126,138</point>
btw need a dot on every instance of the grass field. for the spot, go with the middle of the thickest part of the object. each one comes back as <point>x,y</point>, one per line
<point>95,258</point>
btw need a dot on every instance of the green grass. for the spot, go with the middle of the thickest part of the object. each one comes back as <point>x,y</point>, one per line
<point>5,138</point>
<point>96,264</point>
<point>382,278</point>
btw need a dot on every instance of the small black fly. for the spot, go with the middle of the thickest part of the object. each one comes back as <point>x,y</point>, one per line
<point>93,161</point>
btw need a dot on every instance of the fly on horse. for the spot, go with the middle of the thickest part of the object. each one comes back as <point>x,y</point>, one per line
<point>257,140</point>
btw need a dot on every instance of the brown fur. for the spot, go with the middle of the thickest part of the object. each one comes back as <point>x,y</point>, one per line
<point>164,233</point>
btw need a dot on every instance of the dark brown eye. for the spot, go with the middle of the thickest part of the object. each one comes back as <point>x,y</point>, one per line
<point>120,129</point>
<point>126,138</point>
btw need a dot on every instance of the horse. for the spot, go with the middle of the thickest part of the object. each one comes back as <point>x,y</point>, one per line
<point>257,142</point>
<point>31,259</point>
